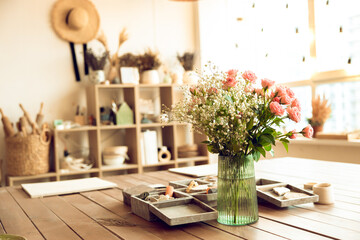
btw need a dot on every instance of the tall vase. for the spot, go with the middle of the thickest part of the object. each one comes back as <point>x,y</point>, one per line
<point>237,200</point>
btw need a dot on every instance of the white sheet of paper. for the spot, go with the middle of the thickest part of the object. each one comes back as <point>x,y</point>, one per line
<point>36,190</point>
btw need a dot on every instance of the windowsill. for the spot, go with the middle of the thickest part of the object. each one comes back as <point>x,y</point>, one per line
<point>328,142</point>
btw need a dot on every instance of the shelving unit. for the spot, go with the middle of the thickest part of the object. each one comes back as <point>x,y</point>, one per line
<point>100,136</point>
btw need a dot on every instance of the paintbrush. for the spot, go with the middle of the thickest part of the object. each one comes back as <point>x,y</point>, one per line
<point>40,116</point>
<point>8,129</point>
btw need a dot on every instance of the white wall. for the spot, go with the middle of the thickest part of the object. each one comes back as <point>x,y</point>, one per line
<point>36,66</point>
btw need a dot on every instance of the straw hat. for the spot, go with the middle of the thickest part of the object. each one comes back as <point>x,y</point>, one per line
<point>75,21</point>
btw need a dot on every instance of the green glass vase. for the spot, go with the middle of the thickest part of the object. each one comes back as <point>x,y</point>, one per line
<point>236,200</point>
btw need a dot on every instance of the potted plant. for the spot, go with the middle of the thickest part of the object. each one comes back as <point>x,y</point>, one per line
<point>96,64</point>
<point>321,111</point>
<point>129,71</point>
<point>241,124</point>
<point>187,62</point>
<point>149,62</point>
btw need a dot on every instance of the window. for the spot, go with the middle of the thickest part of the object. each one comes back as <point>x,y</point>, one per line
<point>344,98</point>
<point>337,34</point>
<point>312,46</point>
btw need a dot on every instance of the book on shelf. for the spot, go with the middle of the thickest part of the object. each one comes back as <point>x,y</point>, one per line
<point>149,148</point>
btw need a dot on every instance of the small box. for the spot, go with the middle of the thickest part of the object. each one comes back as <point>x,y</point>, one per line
<point>141,207</point>
<point>266,193</point>
<point>187,210</point>
<point>79,119</point>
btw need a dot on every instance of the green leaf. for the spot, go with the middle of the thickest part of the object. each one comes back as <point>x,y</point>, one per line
<point>269,131</point>
<point>261,150</point>
<point>266,139</point>
<point>285,145</point>
<point>205,142</point>
<point>268,147</point>
<point>250,124</point>
<point>256,156</point>
<point>227,97</point>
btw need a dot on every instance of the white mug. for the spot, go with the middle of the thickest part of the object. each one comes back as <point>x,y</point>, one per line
<point>325,192</point>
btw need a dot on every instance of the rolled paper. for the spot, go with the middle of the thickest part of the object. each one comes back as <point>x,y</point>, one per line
<point>169,191</point>
<point>211,190</point>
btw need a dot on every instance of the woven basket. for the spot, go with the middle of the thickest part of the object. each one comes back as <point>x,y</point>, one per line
<point>27,155</point>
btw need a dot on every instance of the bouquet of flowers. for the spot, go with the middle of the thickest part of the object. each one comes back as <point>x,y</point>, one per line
<point>238,118</point>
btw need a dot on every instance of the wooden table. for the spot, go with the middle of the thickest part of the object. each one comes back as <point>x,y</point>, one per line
<point>102,214</point>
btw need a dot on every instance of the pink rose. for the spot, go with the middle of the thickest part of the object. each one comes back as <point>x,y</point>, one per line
<point>296,103</point>
<point>259,91</point>
<point>285,100</point>
<point>276,99</point>
<point>250,76</point>
<point>281,91</point>
<point>276,108</point>
<point>230,82</point>
<point>294,114</point>
<point>293,135</point>
<point>308,131</point>
<point>290,92</point>
<point>232,73</point>
<point>267,83</point>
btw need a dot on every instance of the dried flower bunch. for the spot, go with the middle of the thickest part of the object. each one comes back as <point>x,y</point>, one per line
<point>186,60</point>
<point>94,61</point>
<point>321,111</point>
<point>129,60</point>
<point>238,118</point>
<point>149,61</point>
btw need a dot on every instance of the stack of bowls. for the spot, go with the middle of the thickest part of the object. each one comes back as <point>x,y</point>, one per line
<point>114,156</point>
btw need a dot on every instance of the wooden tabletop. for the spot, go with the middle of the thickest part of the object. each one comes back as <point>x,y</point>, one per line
<point>103,215</point>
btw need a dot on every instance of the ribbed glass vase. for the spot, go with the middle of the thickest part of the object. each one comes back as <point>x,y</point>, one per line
<point>237,200</point>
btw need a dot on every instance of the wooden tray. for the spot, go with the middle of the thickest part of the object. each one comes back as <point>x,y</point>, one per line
<point>127,193</point>
<point>141,207</point>
<point>185,183</point>
<point>264,181</point>
<point>210,199</point>
<point>266,193</point>
<point>183,211</point>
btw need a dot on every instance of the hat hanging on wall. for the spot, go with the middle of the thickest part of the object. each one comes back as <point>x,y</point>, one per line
<point>76,21</point>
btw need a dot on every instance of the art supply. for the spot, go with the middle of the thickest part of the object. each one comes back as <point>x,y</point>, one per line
<point>28,118</point>
<point>325,192</point>
<point>191,185</point>
<point>294,195</point>
<point>280,191</point>
<point>40,116</point>
<point>211,190</point>
<point>23,124</point>
<point>169,191</point>
<point>8,129</point>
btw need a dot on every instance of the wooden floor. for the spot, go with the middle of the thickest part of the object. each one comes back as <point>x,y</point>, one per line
<point>103,215</point>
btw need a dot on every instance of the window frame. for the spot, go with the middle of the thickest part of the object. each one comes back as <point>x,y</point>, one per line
<point>325,77</point>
